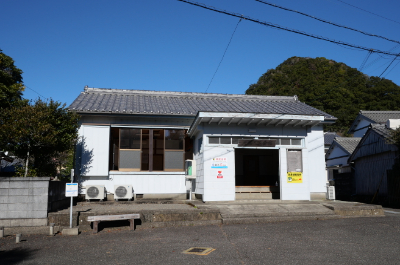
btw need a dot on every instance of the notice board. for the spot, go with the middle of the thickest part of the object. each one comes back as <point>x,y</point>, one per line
<point>294,161</point>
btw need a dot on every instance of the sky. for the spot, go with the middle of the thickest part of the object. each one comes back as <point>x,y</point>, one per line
<point>168,45</point>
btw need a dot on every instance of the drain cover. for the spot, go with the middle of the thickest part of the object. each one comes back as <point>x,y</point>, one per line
<point>198,251</point>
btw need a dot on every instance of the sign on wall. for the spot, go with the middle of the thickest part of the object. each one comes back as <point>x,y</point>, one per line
<point>219,162</point>
<point>295,177</point>
<point>294,161</point>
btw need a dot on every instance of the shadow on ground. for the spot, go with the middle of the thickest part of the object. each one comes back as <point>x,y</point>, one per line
<point>15,256</point>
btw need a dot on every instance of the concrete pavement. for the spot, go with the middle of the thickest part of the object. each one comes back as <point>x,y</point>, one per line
<point>168,213</point>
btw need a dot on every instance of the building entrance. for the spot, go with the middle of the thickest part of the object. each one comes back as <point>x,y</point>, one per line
<point>257,172</point>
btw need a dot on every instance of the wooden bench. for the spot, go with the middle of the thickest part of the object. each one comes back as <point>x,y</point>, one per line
<point>97,219</point>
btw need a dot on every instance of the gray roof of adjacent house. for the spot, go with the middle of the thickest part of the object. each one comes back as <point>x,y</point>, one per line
<point>380,116</point>
<point>349,144</point>
<point>118,101</point>
<point>374,116</point>
<point>375,146</point>
<point>381,129</point>
<point>329,137</point>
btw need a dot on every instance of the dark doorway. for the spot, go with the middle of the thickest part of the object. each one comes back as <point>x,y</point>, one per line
<point>257,169</point>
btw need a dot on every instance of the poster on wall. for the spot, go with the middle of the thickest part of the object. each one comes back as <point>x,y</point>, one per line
<point>219,162</point>
<point>295,177</point>
<point>220,176</point>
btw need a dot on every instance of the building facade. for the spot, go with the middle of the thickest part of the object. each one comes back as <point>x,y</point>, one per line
<point>239,144</point>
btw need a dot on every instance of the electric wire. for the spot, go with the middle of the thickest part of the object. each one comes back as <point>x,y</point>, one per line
<point>328,22</point>
<point>388,66</point>
<point>223,55</point>
<point>365,60</point>
<point>380,57</point>
<point>392,68</point>
<point>35,91</point>
<point>369,12</point>
<point>285,28</point>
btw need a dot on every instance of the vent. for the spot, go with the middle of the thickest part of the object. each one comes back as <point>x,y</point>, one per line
<point>95,192</point>
<point>199,251</point>
<point>123,192</point>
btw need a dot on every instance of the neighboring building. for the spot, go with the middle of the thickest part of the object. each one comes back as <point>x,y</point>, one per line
<point>338,154</point>
<point>365,118</point>
<point>240,143</point>
<point>372,159</point>
<point>9,164</point>
<point>328,139</point>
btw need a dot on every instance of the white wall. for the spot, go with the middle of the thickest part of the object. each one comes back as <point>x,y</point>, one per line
<point>199,158</point>
<point>337,152</point>
<point>293,191</point>
<point>361,124</point>
<point>217,188</point>
<point>94,150</point>
<point>314,161</point>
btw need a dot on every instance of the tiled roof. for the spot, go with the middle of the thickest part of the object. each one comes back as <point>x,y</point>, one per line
<point>96,100</point>
<point>329,137</point>
<point>381,129</point>
<point>380,116</point>
<point>348,143</point>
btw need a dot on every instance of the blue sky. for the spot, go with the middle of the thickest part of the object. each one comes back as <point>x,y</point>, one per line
<point>167,45</point>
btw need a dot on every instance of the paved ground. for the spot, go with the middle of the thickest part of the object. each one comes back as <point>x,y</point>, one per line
<point>337,241</point>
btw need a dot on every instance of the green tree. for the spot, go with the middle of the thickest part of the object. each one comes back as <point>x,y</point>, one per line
<point>38,132</point>
<point>330,86</point>
<point>11,85</point>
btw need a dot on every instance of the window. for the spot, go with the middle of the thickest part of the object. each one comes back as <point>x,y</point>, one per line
<point>149,149</point>
<point>235,140</point>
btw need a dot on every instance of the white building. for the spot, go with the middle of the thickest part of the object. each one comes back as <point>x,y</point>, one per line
<point>242,145</point>
<point>337,155</point>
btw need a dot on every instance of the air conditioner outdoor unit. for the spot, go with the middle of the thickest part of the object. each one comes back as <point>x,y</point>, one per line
<point>330,193</point>
<point>123,192</point>
<point>95,192</point>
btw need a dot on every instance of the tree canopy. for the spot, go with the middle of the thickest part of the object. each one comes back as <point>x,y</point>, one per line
<point>330,86</point>
<point>11,85</point>
<point>39,132</point>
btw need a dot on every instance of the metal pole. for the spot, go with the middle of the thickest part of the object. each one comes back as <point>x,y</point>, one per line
<point>70,212</point>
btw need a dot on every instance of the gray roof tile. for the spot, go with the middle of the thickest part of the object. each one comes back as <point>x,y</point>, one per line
<point>95,100</point>
<point>380,116</point>
<point>381,130</point>
<point>348,143</point>
<point>329,137</point>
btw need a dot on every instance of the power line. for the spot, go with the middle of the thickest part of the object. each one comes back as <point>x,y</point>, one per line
<point>388,65</point>
<point>381,57</point>
<point>223,55</point>
<point>35,91</point>
<point>392,68</point>
<point>369,12</point>
<point>328,22</point>
<point>286,29</point>
<point>365,60</point>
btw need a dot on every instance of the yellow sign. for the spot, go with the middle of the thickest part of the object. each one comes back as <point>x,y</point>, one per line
<point>295,177</point>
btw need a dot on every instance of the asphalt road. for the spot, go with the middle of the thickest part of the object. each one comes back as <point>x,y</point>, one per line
<point>374,240</point>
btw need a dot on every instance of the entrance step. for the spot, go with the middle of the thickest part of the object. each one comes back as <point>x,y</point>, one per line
<point>256,196</point>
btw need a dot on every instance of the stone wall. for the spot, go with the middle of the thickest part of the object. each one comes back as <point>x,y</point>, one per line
<point>23,199</point>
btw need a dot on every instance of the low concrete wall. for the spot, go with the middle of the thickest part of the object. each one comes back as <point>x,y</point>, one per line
<point>24,198</point>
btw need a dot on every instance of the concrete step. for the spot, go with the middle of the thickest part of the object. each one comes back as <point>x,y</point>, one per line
<point>271,219</point>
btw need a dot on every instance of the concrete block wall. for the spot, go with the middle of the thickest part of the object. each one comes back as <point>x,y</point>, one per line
<point>24,198</point>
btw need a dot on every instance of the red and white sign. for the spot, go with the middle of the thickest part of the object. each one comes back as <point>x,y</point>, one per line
<point>220,176</point>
